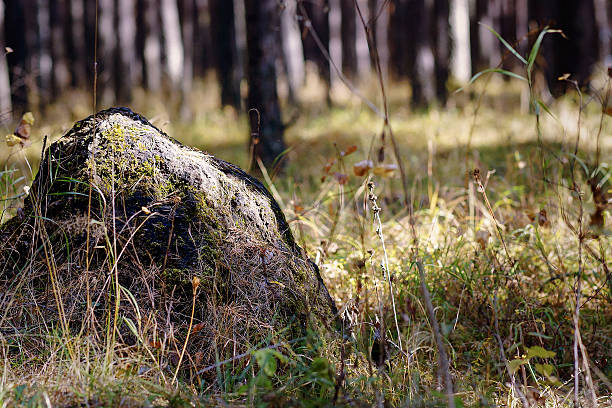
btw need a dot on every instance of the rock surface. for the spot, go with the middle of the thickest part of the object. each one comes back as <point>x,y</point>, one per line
<point>117,197</point>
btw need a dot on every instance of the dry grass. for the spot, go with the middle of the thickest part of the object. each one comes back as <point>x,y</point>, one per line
<point>531,290</point>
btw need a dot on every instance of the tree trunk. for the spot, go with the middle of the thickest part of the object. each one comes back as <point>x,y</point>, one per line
<point>5,86</point>
<point>441,45</point>
<point>223,37</point>
<point>262,23</point>
<point>58,23</point>
<point>188,30</point>
<point>107,41</point>
<point>604,29</point>
<point>461,64</point>
<point>363,53</point>
<point>293,53</point>
<point>45,60</point>
<point>485,48</point>
<point>402,43</point>
<point>152,46</point>
<point>577,52</point>
<point>128,68</point>
<point>173,46</point>
<point>348,31</point>
<point>77,45</point>
<point>422,75</point>
<point>314,17</point>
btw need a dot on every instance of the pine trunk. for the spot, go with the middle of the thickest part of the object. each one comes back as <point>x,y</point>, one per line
<point>173,46</point>
<point>348,31</point>
<point>152,46</point>
<point>223,37</point>
<point>262,23</point>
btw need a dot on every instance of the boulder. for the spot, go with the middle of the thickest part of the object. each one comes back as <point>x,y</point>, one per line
<point>117,198</point>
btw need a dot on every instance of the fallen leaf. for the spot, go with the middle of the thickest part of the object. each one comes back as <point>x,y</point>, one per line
<point>385,170</point>
<point>361,168</point>
<point>197,328</point>
<point>349,150</point>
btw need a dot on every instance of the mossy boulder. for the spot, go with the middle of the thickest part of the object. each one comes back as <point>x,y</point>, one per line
<point>116,197</point>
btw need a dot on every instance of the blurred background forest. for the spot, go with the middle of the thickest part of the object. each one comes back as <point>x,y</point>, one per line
<point>164,45</point>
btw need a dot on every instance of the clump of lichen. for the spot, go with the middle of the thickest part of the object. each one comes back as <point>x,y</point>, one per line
<point>121,222</point>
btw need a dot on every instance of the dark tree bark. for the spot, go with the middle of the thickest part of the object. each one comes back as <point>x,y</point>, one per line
<point>107,42</point>
<point>77,43</point>
<point>314,16</point>
<point>15,38</point>
<point>223,36</point>
<point>577,52</point>
<point>58,21</point>
<point>348,33</point>
<point>422,74</point>
<point>202,53</point>
<point>441,44</point>
<point>262,24</point>
<point>402,45</point>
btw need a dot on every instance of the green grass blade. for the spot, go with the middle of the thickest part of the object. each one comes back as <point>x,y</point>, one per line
<point>506,44</point>
<point>536,48</point>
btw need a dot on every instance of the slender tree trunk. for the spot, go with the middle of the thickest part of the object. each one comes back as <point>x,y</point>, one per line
<point>441,45</point>
<point>363,53</point>
<point>316,19</point>
<point>402,45</point>
<point>522,25</point>
<point>334,16</point>
<point>188,30</point>
<point>422,75</point>
<point>15,38</point>
<point>262,24</point>
<point>485,48</point>
<point>348,31</point>
<point>604,29</point>
<point>461,63</point>
<point>5,86</point>
<point>380,26</point>
<point>577,52</point>
<point>107,41</point>
<point>173,46</point>
<point>58,22</point>
<point>152,46</point>
<point>293,54</point>
<point>45,60</point>
<point>128,71</point>
<point>223,37</point>
<point>77,45</point>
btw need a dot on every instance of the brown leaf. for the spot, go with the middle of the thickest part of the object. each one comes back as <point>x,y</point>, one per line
<point>608,110</point>
<point>349,150</point>
<point>361,168</point>
<point>543,218</point>
<point>385,170</point>
<point>197,328</point>
<point>329,165</point>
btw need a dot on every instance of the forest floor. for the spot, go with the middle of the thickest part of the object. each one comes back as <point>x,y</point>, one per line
<point>503,263</point>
